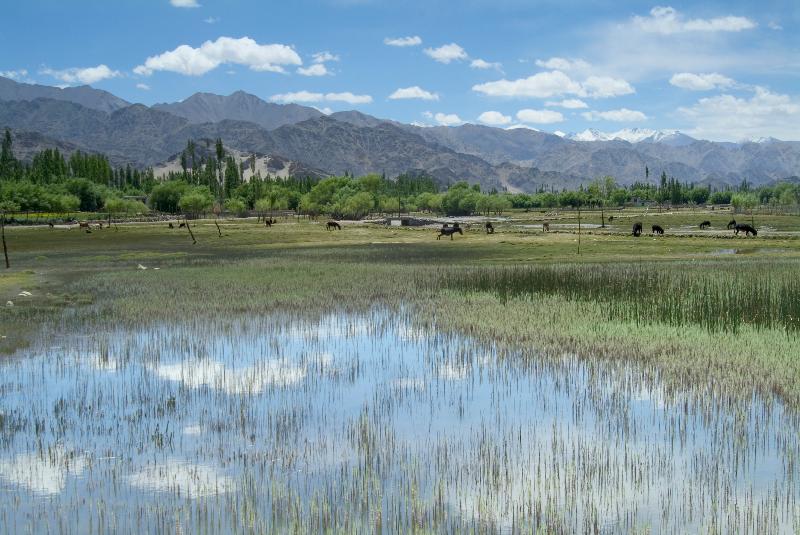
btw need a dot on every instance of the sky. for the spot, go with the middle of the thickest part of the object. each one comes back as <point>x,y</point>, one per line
<point>724,71</point>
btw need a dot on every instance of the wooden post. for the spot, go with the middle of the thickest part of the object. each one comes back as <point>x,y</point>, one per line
<point>579,229</point>
<point>3,234</point>
<point>194,241</point>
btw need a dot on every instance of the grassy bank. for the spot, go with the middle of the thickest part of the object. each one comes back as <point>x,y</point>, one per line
<point>701,315</point>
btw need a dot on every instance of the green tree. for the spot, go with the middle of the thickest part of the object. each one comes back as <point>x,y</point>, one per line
<point>236,206</point>
<point>7,160</point>
<point>196,201</point>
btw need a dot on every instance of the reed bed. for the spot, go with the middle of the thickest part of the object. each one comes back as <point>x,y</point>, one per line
<point>720,298</point>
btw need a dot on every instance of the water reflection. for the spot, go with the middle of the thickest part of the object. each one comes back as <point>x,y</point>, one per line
<point>372,423</point>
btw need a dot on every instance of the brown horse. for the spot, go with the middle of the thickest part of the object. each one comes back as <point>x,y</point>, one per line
<point>332,225</point>
<point>449,231</point>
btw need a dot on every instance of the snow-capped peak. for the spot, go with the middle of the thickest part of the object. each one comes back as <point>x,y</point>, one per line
<point>760,140</point>
<point>633,135</point>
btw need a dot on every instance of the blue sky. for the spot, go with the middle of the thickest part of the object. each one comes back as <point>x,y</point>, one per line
<point>722,71</point>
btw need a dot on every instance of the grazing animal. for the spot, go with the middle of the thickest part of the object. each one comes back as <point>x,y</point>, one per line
<point>731,224</point>
<point>657,229</point>
<point>182,225</point>
<point>545,227</point>
<point>489,228</point>
<point>333,225</point>
<point>50,224</point>
<point>449,231</point>
<point>83,224</point>
<point>747,229</point>
<point>705,224</point>
<point>637,229</point>
<point>610,218</point>
<point>170,225</point>
<point>269,222</point>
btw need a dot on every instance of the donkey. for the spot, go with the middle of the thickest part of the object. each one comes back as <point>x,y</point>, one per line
<point>705,224</point>
<point>747,229</point>
<point>449,231</point>
<point>332,225</point>
<point>637,229</point>
<point>657,229</point>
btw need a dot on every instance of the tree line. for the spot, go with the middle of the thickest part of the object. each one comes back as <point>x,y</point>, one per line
<point>211,179</point>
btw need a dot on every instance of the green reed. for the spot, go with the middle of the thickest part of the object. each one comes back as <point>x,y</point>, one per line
<point>720,299</point>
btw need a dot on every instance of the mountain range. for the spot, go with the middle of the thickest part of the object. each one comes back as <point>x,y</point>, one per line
<point>304,140</point>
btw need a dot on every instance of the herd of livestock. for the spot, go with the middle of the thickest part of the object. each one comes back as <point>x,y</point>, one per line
<point>450,230</point>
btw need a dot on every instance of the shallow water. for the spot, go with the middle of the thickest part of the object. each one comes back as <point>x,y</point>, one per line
<point>370,423</point>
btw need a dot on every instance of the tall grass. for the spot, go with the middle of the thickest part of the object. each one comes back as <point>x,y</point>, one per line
<point>722,299</point>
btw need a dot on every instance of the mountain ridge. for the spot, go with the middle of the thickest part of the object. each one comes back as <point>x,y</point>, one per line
<point>351,141</point>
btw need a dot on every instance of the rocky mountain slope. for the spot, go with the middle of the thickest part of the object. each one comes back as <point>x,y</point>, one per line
<point>239,106</point>
<point>84,95</point>
<point>515,159</point>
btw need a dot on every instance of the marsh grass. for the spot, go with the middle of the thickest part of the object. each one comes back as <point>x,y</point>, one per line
<point>720,298</point>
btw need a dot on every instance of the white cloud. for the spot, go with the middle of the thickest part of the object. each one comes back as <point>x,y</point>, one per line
<point>555,83</point>
<point>482,64</point>
<point>620,115</point>
<point>143,87</point>
<point>184,3</point>
<point>307,96</point>
<point>494,118</point>
<point>413,92</point>
<point>569,103</point>
<point>14,75</point>
<point>447,53</point>
<point>563,64</point>
<point>774,25</point>
<point>427,115</point>
<point>539,116</point>
<point>605,86</point>
<point>540,85</point>
<point>211,20</point>
<point>87,75</point>
<point>322,57</point>
<point>726,117</point>
<point>317,69</point>
<point>667,20</point>
<point>700,82</point>
<point>211,54</point>
<point>403,41</point>
<point>449,119</point>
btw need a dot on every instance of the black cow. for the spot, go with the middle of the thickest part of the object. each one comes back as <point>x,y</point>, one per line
<point>705,224</point>
<point>731,224</point>
<point>657,229</point>
<point>449,231</point>
<point>637,229</point>
<point>747,229</point>
<point>489,228</point>
<point>332,225</point>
